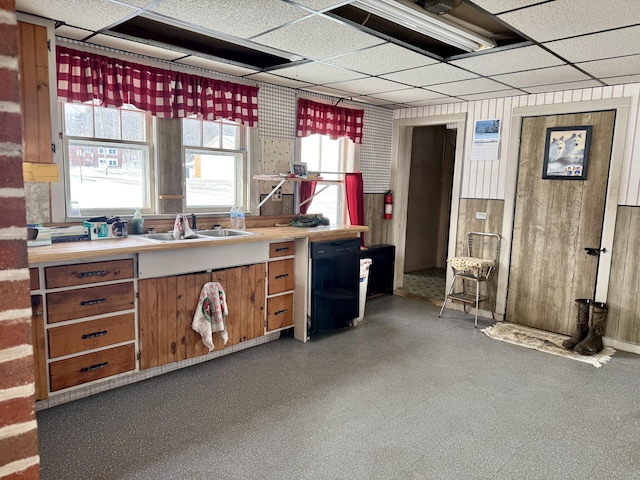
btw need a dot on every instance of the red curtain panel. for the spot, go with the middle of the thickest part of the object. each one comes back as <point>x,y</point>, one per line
<point>307,189</point>
<point>354,189</point>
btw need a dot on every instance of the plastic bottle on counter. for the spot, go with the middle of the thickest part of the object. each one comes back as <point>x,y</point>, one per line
<point>233,218</point>
<point>241,225</point>
<point>137,223</point>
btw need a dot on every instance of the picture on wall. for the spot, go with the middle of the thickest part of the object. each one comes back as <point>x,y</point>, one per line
<point>566,153</point>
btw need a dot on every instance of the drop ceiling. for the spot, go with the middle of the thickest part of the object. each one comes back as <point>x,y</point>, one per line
<point>328,46</point>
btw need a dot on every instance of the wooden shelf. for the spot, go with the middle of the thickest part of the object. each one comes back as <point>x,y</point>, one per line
<point>278,178</point>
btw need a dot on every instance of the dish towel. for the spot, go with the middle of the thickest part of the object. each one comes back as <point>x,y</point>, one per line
<point>211,314</point>
<point>181,228</point>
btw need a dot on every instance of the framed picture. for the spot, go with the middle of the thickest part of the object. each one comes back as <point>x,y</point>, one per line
<point>299,169</point>
<point>566,153</point>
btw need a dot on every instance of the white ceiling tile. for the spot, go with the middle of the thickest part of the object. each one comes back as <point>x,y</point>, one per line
<point>430,75</point>
<point>371,100</point>
<point>559,87</point>
<point>135,47</point>
<point>277,80</point>
<point>408,95</point>
<point>506,61</point>
<point>499,94</point>
<point>366,86</point>
<point>562,19</point>
<point>90,14</point>
<point>382,59</point>
<point>72,32</point>
<point>436,101</point>
<point>216,66</point>
<point>498,6</point>
<point>629,65</point>
<point>622,80</point>
<point>561,74</point>
<point>317,73</point>
<point>468,87</point>
<point>319,5</point>
<point>334,92</point>
<point>240,18</point>
<point>615,43</point>
<point>317,38</point>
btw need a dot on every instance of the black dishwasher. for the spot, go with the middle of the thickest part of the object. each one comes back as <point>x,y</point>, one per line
<point>335,284</point>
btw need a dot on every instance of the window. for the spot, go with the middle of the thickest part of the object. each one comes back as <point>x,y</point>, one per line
<point>119,182</point>
<point>215,164</point>
<point>321,154</point>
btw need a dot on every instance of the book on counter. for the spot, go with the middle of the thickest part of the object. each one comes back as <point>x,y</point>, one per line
<point>71,233</point>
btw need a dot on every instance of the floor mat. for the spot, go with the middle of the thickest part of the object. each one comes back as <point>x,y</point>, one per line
<point>542,341</point>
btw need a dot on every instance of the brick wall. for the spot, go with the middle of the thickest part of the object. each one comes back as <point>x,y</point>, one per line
<point>18,429</point>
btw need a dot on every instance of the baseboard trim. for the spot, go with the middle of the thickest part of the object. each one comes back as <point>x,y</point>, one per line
<point>621,345</point>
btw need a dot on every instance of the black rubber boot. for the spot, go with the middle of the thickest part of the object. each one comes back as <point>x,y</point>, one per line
<point>593,343</point>
<point>582,327</point>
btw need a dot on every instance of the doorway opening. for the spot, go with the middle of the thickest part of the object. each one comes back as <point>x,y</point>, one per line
<point>428,212</point>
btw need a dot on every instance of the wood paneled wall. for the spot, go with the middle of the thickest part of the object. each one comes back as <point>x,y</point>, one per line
<point>487,179</point>
<point>624,283</point>
<point>374,219</point>
<point>467,222</point>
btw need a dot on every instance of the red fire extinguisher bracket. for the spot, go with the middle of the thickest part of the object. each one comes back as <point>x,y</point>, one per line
<point>388,205</point>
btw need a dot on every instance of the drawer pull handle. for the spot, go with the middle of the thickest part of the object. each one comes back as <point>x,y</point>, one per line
<point>94,367</point>
<point>284,275</point>
<point>93,302</point>
<point>96,273</point>
<point>282,249</point>
<point>94,334</point>
<point>282,312</point>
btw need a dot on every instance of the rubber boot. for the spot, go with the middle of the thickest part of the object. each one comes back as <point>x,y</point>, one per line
<point>593,343</point>
<point>582,328</point>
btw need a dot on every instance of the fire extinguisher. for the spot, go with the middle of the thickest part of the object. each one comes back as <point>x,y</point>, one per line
<point>388,205</point>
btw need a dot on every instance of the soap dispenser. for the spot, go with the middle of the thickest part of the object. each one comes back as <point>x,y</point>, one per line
<point>137,223</point>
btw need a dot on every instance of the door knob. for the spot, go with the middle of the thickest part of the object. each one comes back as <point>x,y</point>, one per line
<point>595,252</point>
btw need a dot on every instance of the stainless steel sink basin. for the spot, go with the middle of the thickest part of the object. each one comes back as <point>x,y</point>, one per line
<point>199,235</point>
<point>168,237</point>
<point>224,232</point>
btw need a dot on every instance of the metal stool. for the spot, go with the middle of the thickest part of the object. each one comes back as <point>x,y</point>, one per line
<point>476,267</point>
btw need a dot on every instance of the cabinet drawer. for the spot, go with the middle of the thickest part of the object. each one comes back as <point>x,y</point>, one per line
<point>279,311</point>
<point>85,302</point>
<point>280,276</point>
<point>86,368</point>
<point>281,249</point>
<point>83,336</point>
<point>34,279</point>
<point>85,273</point>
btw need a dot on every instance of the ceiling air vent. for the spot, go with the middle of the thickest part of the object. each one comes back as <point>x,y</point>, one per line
<point>439,6</point>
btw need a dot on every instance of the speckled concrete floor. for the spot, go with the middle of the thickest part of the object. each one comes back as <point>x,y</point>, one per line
<point>404,395</point>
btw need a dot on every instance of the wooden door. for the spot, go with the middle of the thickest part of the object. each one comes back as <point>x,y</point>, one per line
<point>555,220</point>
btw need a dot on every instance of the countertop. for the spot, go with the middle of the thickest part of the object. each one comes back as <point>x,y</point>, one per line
<point>91,249</point>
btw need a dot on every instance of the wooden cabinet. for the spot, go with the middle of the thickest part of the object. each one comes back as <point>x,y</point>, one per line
<point>87,321</point>
<point>281,283</point>
<point>167,305</point>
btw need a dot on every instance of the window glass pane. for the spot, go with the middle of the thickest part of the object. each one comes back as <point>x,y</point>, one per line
<point>230,137</point>
<point>212,178</point>
<point>211,134</point>
<point>101,182</point>
<point>78,120</point>
<point>107,122</point>
<point>133,126</point>
<point>191,132</point>
<point>310,152</point>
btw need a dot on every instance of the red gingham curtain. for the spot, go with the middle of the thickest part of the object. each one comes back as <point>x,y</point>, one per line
<point>314,117</point>
<point>86,76</point>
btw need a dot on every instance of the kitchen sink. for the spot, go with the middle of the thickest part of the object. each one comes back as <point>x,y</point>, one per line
<point>199,235</point>
<point>224,232</point>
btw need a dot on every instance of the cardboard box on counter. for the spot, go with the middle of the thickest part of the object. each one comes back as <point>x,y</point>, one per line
<point>72,233</point>
<point>42,237</point>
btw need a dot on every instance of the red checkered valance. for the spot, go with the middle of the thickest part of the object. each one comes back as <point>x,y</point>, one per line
<point>84,76</point>
<point>314,117</point>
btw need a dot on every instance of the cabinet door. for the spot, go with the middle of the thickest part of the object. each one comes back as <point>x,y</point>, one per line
<point>34,98</point>
<point>165,312</point>
<point>244,288</point>
<point>39,353</point>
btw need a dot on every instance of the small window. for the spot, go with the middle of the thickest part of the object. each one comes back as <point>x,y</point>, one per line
<point>215,164</point>
<point>112,151</point>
